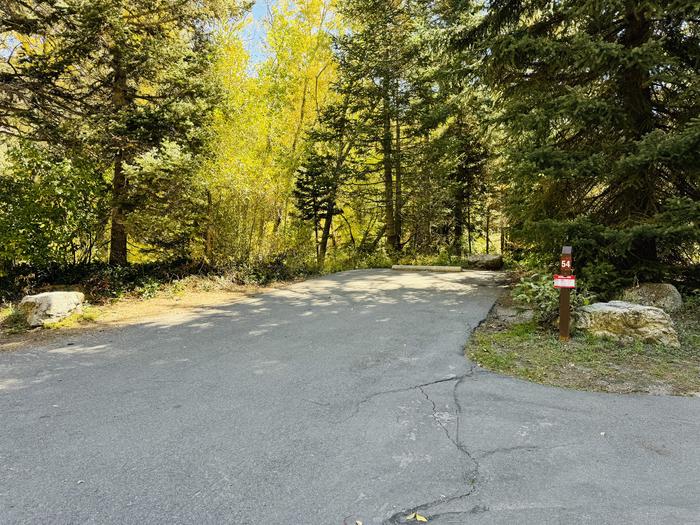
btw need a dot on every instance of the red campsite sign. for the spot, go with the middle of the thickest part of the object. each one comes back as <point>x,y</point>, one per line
<point>564,281</point>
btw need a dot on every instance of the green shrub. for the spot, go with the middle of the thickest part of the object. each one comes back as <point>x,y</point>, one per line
<point>12,320</point>
<point>148,289</point>
<point>537,291</point>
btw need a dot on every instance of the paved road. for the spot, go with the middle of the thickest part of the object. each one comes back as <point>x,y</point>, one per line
<point>339,399</point>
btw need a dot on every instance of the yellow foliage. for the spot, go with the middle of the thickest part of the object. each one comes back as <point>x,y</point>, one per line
<point>260,132</point>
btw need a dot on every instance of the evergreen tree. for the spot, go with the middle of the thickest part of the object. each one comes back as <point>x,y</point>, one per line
<point>111,80</point>
<point>445,107</point>
<point>313,192</point>
<point>326,170</point>
<point>375,59</point>
<point>599,104</point>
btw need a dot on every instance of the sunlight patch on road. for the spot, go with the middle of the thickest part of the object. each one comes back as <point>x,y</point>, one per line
<point>69,350</point>
<point>10,384</point>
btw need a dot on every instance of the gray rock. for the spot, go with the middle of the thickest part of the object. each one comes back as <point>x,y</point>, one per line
<point>660,295</point>
<point>628,322</point>
<point>50,307</point>
<point>509,315</point>
<point>485,262</point>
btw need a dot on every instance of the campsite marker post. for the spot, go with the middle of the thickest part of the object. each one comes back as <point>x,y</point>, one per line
<point>565,282</point>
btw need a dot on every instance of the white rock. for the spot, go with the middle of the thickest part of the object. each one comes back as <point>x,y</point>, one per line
<point>50,307</point>
<point>661,295</point>
<point>627,322</point>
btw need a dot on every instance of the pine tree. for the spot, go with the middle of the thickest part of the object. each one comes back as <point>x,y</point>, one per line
<point>445,108</point>
<point>375,60</point>
<point>111,80</point>
<point>599,105</point>
<point>327,168</point>
<point>313,192</point>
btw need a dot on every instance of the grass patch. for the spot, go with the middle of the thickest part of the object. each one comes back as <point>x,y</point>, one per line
<point>589,363</point>
<point>12,321</point>
<point>88,315</point>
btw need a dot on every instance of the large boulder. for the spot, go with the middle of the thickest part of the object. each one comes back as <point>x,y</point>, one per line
<point>485,262</point>
<point>660,295</point>
<point>50,307</point>
<point>628,322</point>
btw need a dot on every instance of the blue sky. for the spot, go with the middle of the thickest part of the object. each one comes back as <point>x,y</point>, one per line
<point>254,34</point>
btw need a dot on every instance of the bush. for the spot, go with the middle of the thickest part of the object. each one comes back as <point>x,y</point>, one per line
<point>281,267</point>
<point>99,281</point>
<point>52,207</point>
<point>148,289</point>
<point>342,261</point>
<point>12,320</point>
<point>538,292</point>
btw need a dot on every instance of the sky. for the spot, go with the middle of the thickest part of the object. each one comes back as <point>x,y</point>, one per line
<point>254,33</point>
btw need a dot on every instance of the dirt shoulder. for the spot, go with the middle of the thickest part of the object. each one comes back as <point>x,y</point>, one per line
<point>126,311</point>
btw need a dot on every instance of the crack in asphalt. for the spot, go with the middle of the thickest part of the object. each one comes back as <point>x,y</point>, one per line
<point>526,448</point>
<point>398,518</point>
<point>473,475</point>
<point>506,450</point>
<point>477,509</point>
<point>370,397</point>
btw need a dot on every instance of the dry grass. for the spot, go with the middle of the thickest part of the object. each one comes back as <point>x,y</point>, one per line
<point>180,298</point>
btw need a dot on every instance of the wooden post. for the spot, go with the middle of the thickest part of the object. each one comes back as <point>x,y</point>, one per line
<point>565,296</point>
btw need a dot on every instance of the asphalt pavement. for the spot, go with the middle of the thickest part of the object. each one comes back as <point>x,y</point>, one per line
<point>340,399</point>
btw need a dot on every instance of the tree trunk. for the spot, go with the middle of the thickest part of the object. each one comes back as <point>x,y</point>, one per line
<point>209,242</point>
<point>352,237</point>
<point>399,198</point>
<point>461,177</point>
<point>458,218</point>
<point>118,238</point>
<point>488,227</point>
<point>388,177</point>
<point>503,234</point>
<point>469,219</point>
<point>315,207</point>
<point>318,246</point>
<point>640,199</point>
<point>328,220</point>
<point>634,82</point>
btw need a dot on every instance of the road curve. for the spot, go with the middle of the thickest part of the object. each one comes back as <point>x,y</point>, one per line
<point>342,398</point>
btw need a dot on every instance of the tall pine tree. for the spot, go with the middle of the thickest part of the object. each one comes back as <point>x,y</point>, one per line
<point>111,80</point>
<point>599,104</point>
